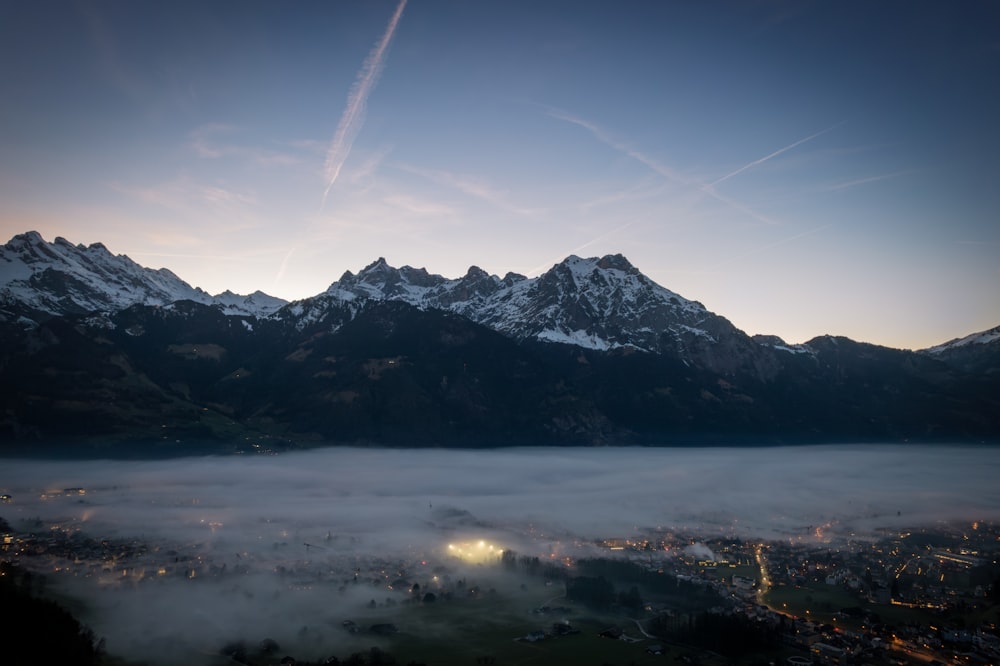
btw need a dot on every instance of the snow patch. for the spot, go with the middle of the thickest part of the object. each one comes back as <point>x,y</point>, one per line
<point>578,338</point>
<point>981,338</point>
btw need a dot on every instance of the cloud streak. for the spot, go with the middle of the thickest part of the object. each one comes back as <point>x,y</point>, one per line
<point>864,181</point>
<point>660,168</point>
<point>622,147</point>
<point>775,154</point>
<point>188,197</point>
<point>284,266</point>
<point>204,142</point>
<point>769,246</point>
<point>353,117</point>
<point>469,186</point>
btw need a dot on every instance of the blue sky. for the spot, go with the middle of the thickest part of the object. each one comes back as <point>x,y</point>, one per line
<point>800,167</point>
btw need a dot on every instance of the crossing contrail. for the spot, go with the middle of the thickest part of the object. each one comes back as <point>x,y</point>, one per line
<point>670,173</point>
<point>620,146</point>
<point>354,113</point>
<point>775,154</point>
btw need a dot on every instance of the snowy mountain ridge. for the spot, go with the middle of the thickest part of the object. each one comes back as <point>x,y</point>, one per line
<point>96,346</point>
<point>598,303</point>
<point>601,303</point>
<point>981,338</point>
<point>61,278</point>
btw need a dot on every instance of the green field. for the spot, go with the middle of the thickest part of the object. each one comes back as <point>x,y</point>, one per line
<point>470,631</point>
<point>726,572</point>
<point>820,602</point>
<point>816,602</point>
<point>487,629</point>
<point>491,628</point>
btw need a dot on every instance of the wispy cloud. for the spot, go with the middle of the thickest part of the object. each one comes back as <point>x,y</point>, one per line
<point>221,196</point>
<point>112,65</point>
<point>768,246</point>
<point>419,206</point>
<point>353,117</point>
<point>203,140</point>
<point>229,256</point>
<point>637,192</point>
<point>206,144</point>
<point>183,194</point>
<point>284,265</point>
<point>364,174</point>
<point>176,244</point>
<point>309,145</point>
<point>863,181</point>
<point>468,185</point>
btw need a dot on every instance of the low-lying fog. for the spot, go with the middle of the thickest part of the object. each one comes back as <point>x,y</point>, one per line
<point>271,540</point>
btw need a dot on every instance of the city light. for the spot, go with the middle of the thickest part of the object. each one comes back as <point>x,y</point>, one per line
<point>476,552</point>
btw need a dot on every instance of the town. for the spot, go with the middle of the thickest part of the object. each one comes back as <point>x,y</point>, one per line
<point>928,595</point>
<point>915,596</point>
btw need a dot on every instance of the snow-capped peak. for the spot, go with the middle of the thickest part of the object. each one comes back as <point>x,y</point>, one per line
<point>981,338</point>
<point>62,278</point>
<point>596,302</point>
<point>258,303</point>
<point>380,281</point>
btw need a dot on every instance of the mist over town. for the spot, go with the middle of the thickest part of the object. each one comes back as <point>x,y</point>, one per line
<point>186,554</point>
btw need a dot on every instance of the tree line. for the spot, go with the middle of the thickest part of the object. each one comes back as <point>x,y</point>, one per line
<point>56,637</point>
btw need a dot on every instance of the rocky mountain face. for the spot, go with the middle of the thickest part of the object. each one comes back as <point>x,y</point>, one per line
<point>40,279</point>
<point>977,353</point>
<point>98,352</point>
<point>602,303</point>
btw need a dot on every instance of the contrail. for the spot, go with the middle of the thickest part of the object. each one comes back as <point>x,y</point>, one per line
<point>353,118</point>
<point>775,153</point>
<point>284,266</point>
<point>576,249</point>
<point>864,181</point>
<point>663,170</point>
<point>604,137</point>
<point>763,248</point>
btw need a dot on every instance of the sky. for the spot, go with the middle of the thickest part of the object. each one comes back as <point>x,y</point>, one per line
<point>801,167</point>
<point>371,510</point>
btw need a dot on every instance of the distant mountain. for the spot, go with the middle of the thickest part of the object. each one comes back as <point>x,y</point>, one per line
<point>39,279</point>
<point>978,352</point>
<point>594,303</point>
<point>602,303</point>
<point>97,351</point>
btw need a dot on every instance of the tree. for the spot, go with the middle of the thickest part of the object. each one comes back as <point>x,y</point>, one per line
<point>57,637</point>
<point>630,599</point>
<point>594,592</point>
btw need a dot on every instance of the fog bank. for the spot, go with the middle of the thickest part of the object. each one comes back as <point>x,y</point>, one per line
<point>275,537</point>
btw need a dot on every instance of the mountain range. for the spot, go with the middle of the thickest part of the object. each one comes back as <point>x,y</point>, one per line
<point>100,353</point>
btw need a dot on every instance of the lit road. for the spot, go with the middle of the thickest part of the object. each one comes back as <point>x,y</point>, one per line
<point>765,581</point>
